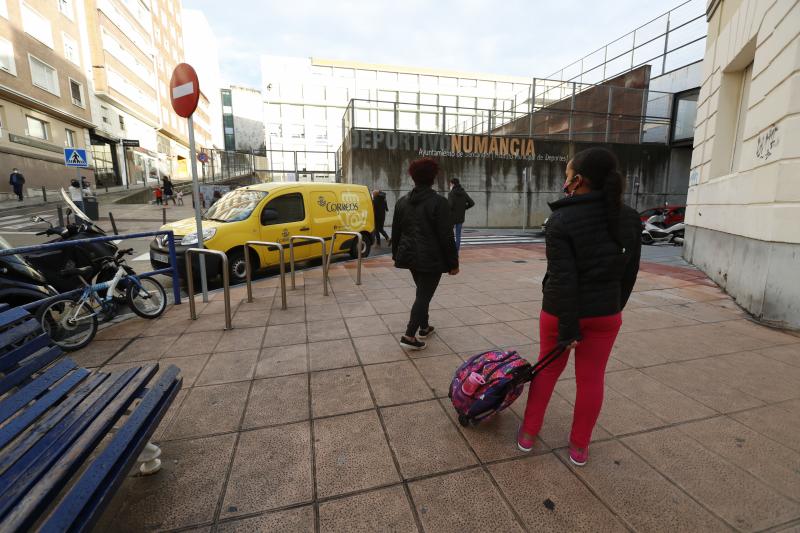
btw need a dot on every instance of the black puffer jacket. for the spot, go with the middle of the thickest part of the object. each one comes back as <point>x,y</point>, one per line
<point>459,203</point>
<point>422,234</point>
<point>588,274</point>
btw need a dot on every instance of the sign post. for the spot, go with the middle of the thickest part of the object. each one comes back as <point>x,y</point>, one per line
<point>185,94</point>
<point>76,158</point>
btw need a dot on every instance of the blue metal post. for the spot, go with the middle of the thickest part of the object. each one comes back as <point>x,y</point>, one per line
<point>173,260</point>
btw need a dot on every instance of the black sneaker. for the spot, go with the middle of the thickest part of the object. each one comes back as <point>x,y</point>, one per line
<point>424,333</point>
<point>413,344</point>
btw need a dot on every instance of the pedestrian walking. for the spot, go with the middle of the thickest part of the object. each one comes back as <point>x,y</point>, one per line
<point>459,203</point>
<point>179,195</point>
<point>17,180</point>
<point>159,195</point>
<point>380,208</point>
<point>169,190</point>
<point>592,246</point>
<point>423,242</point>
<point>75,193</point>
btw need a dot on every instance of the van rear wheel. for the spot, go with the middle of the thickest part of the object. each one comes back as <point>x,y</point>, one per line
<point>366,246</point>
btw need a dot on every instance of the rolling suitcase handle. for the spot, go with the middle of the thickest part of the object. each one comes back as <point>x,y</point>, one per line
<point>544,362</point>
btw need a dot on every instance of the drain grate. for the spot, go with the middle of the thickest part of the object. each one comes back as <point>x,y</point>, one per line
<point>519,261</point>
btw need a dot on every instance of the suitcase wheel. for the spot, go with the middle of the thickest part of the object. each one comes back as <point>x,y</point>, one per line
<point>463,420</point>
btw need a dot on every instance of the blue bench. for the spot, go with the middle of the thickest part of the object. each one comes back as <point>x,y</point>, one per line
<point>58,471</point>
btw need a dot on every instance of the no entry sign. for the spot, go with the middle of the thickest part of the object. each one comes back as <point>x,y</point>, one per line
<point>184,90</point>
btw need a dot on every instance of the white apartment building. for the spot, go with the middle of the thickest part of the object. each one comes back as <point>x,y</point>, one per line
<point>305,100</point>
<point>743,210</point>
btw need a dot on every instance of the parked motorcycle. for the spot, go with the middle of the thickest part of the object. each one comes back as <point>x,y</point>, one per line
<point>654,231</point>
<point>20,282</point>
<point>51,263</point>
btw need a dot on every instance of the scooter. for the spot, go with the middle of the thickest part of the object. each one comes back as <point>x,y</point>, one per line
<point>654,231</point>
<point>50,263</point>
<point>20,282</point>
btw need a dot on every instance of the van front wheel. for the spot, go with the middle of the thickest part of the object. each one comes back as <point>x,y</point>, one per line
<point>366,245</point>
<point>237,268</point>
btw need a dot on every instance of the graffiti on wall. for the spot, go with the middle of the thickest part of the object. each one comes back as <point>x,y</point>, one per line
<point>767,142</point>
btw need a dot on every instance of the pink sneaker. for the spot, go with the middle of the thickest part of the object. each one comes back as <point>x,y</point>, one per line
<point>579,456</point>
<point>524,444</point>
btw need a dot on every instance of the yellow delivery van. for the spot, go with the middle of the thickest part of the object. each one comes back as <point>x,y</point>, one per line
<point>273,212</point>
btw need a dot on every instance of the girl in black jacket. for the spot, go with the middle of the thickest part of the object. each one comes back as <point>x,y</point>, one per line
<point>593,243</point>
<point>423,242</point>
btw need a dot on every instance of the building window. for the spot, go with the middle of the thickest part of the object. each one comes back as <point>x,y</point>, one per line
<point>104,114</point>
<point>44,76</point>
<point>71,49</point>
<point>36,25</point>
<point>741,118</point>
<point>122,123</point>
<point>7,57</point>
<point>685,114</point>
<point>70,138</point>
<point>36,128</point>
<point>65,6</point>
<point>76,91</point>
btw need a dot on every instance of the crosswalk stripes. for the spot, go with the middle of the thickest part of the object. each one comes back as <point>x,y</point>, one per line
<point>15,222</point>
<point>475,240</point>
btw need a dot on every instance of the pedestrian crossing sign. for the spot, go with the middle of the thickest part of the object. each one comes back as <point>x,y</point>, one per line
<point>75,157</point>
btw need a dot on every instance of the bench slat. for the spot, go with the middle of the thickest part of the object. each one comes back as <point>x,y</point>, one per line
<point>21,422</point>
<point>52,473</point>
<point>55,420</point>
<point>18,354</point>
<point>22,397</point>
<point>23,473</point>
<point>31,365</point>
<point>82,506</point>
<point>18,332</point>
<point>12,315</point>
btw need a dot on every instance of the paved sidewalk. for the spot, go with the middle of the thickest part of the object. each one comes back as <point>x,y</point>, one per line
<point>314,418</point>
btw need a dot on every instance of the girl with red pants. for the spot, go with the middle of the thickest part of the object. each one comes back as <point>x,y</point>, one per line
<point>593,245</point>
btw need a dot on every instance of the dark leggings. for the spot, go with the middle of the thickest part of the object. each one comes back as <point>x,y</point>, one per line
<point>426,285</point>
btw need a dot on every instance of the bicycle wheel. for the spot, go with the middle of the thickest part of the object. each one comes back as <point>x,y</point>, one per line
<point>149,301</point>
<point>70,323</point>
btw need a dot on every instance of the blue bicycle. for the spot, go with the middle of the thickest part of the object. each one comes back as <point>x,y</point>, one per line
<point>72,322</point>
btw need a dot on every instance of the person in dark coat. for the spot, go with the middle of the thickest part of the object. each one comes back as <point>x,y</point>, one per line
<point>169,191</point>
<point>423,242</point>
<point>17,180</point>
<point>380,208</point>
<point>593,245</point>
<point>459,203</point>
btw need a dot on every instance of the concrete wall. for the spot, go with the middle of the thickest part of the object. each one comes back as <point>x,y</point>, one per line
<point>744,200</point>
<point>498,185</point>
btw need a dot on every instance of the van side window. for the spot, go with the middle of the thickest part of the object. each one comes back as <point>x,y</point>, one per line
<point>287,208</point>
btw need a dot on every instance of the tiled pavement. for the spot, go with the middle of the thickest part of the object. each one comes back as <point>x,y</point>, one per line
<point>314,419</point>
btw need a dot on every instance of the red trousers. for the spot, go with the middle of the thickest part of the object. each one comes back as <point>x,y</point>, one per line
<point>591,355</point>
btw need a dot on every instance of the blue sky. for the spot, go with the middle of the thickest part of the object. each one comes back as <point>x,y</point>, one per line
<point>517,37</point>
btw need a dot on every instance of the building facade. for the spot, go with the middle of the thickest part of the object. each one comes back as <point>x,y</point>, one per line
<point>305,100</point>
<point>743,209</point>
<point>44,94</point>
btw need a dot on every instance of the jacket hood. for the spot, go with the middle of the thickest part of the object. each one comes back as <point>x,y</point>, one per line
<point>420,194</point>
<point>458,189</point>
<point>381,195</point>
<point>593,196</point>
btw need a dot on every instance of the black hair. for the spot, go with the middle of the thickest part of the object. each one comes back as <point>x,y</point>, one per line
<point>455,181</point>
<point>423,171</point>
<point>600,167</point>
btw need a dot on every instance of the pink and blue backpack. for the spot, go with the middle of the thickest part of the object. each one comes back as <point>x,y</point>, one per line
<point>504,376</point>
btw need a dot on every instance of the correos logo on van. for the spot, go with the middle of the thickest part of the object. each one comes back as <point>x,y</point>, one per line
<point>337,207</point>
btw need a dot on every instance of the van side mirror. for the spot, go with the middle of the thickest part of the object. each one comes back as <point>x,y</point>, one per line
<point>269,215</point>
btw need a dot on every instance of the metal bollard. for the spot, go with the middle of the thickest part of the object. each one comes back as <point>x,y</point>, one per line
<point>360,239</point>
<point>324,259</point>
<point>60,213</point>
<point>44,194</point>
<point>163,216</point>
<point>282,263</point>
<point>225,282</point>
<point>113,223</point>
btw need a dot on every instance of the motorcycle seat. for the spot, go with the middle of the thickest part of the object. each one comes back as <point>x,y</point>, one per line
<point>78,271</point>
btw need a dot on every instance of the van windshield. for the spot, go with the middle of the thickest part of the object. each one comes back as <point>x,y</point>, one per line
<point>235,206</point>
